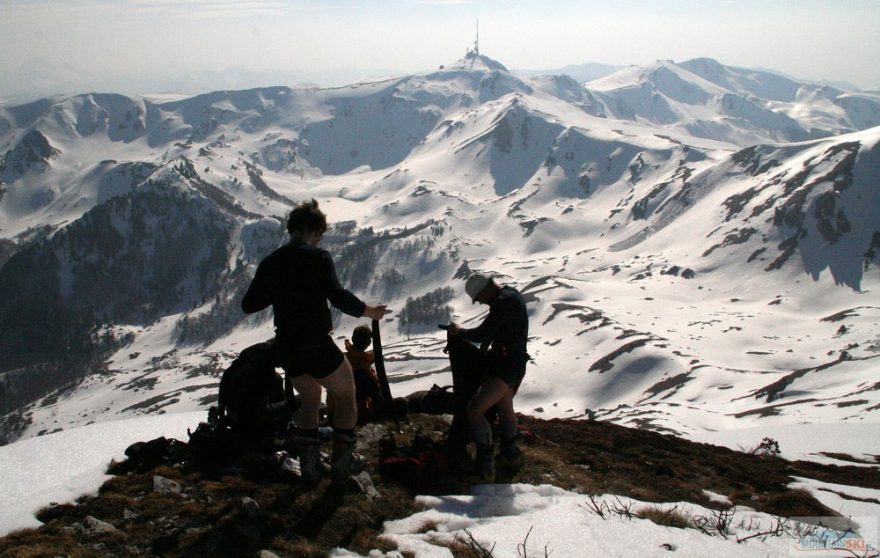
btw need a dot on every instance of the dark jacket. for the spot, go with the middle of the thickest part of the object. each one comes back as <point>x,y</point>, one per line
<point>506,328</point>
<point>297,280</point>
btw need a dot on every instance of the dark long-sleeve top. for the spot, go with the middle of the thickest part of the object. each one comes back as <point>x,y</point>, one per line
<point>506,327</point>
<point>297,280</point>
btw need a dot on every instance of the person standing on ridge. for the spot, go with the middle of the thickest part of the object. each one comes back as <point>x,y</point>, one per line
<point>505,330</point>
<point>298,280</point>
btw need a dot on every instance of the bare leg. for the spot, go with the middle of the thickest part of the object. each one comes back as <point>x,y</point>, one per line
<point>340,384</point>
<point>310,391</point>
<point>490,392</point>
<point>507,415</point>
<point>509,428</point>
<point>308,447</point>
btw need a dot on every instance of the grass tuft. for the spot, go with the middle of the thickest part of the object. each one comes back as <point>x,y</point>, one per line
<point>667,517</point>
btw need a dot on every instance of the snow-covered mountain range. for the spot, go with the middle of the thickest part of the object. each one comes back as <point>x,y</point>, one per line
<point>698,243</point>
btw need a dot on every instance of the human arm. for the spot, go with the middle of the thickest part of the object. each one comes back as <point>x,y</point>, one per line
<point>376,312</point>
<point>257,296</point>
<point>339,296</point>
<point>345,300</point>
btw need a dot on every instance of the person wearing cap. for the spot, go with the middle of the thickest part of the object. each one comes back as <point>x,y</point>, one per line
<point>505,332</point>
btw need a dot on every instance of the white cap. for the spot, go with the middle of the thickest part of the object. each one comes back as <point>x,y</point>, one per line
<point>476,283</point>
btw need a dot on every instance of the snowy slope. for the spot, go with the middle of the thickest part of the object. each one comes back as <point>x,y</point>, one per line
<point>746,107</point>
<point>676,280</point>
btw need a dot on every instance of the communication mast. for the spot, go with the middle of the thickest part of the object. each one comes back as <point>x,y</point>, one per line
<point>477,42</point>
<point>472,55</point>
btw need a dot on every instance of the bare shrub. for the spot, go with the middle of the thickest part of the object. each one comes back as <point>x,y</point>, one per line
<point>600,508</point>
<point>781,526</point>
<point>623,509</point>
<point>469,547</point>
<point>767,447</point>
<point>521,550</point>
<point>716,523</point>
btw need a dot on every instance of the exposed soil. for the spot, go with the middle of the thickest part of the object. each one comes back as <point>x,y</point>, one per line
<point>247,502</point>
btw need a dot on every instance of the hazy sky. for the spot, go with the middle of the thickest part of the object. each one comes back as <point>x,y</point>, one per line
<point>810,39</point>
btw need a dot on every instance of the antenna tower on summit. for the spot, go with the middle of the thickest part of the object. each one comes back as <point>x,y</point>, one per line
<point>477,42</point>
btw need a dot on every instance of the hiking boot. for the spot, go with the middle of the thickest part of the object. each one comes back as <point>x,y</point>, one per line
<point>508,450</point>
<point>309,450</point>
<point>484,461</point>
<point>342,461</point>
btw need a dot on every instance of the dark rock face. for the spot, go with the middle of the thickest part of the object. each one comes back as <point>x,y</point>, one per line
<point>32,153</point>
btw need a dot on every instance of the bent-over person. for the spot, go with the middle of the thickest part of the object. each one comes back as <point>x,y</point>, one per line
<point>504,332</point>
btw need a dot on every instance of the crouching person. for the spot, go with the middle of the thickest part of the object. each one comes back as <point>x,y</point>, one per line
<point>504,332</point>
<point>368,394</point>
<point>298,280</point>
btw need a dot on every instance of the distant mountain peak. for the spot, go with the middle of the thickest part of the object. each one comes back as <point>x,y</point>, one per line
<point>33,152</point>
<point>474,61</point>
<point>704,66</point>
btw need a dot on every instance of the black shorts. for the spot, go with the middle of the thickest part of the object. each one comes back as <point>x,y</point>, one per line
<point>511,375</point>
<point>317,356</point>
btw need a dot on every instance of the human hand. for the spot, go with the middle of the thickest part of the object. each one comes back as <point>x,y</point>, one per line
<point>376,312</point>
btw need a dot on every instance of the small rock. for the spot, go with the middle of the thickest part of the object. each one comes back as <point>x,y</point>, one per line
<point>266,554</point>
<point>371,434</point>
<point>365,485</point>
<point>94,526</point>
<point>162,485</point>
<point>290,465</point>
<point>250,507</point>
<point>129,514</point>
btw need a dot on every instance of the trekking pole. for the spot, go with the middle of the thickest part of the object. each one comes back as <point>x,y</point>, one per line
<point>379,361</point>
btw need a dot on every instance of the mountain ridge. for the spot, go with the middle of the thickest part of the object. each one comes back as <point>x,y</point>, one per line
<point>658,263</point>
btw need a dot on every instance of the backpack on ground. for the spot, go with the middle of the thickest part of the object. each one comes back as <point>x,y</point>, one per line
<point>418,466</point>
<point>253,407</point>
<point>252,394</point>
<point>435,401</point>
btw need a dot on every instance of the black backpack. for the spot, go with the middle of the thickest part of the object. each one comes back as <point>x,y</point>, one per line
<point>249,386</point>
